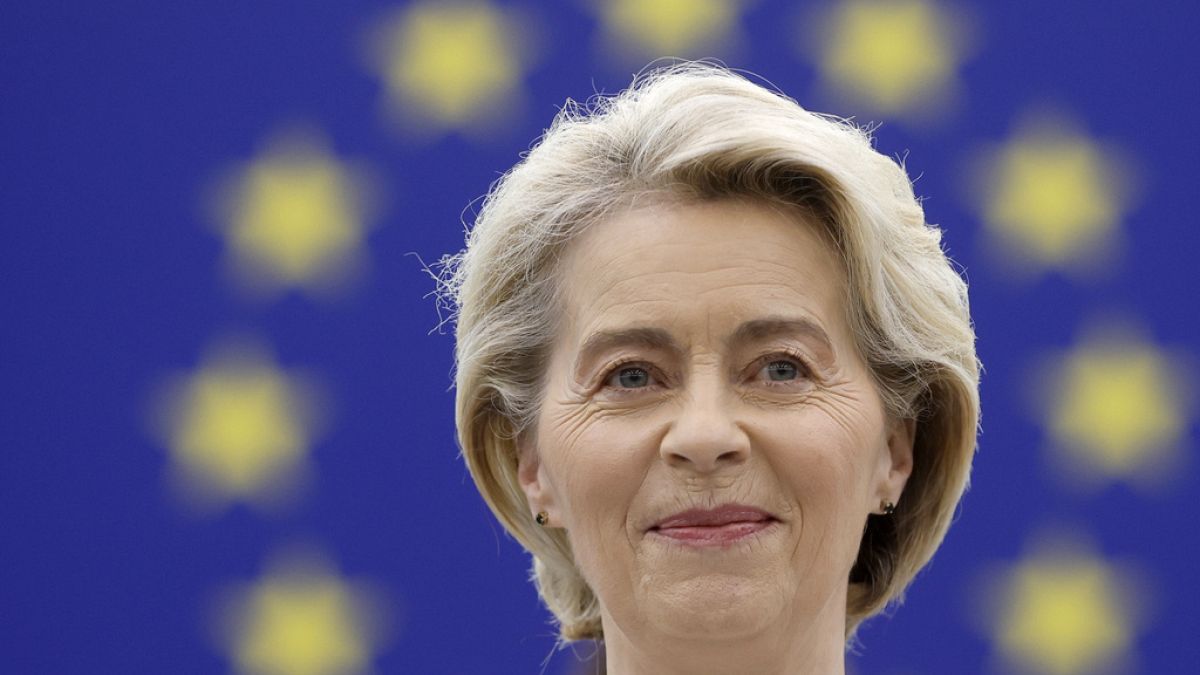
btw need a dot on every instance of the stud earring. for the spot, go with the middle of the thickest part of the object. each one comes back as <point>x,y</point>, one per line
<point>542,518</point>
<point>888,507</point>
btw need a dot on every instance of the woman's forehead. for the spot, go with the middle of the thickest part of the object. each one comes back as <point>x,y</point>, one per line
<point>720,262</point>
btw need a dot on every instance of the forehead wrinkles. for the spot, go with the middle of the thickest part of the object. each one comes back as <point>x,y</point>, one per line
<point>599,280</point>
<point>691,309</point>
<point>695,242</point>
<point>630,259</point>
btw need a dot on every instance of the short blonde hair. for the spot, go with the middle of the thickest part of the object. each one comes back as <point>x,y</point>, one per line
<point>697,131</point>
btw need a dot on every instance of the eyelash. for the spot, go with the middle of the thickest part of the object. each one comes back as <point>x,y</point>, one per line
<point>784,355</point>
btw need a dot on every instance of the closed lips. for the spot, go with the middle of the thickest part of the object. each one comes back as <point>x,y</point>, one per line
<point>723,515</point>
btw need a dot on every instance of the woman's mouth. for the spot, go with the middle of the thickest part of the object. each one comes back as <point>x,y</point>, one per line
<point>714,536</point>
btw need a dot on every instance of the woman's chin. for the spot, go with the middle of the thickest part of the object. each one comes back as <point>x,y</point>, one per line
<point>714,606</point>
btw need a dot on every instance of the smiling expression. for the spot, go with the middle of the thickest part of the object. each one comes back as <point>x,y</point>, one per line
<point>705,359</point>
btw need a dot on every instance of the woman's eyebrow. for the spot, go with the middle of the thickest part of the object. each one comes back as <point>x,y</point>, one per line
<point>774,326</point>
<point>657,338</point>
<point>604,340</point>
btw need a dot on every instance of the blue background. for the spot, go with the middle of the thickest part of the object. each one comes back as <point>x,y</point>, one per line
<point>114,117</point>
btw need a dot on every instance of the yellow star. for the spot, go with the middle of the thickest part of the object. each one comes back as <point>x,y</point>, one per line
<point>678,28</point>
<point>295,216</point>
<point>239,428</point>
<point>891,57</point>
<point>300,619</point>
<point>1053,197</point>
<point>1063,611</point>
<point>1116,406</point>
<point>450,64</point>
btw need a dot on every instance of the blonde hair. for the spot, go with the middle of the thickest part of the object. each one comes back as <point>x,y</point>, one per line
<point>696,131</point>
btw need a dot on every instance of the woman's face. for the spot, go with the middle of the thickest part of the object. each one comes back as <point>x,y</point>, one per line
<point>706,360</point>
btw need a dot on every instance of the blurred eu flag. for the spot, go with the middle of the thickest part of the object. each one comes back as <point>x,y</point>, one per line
<point>228,423</point>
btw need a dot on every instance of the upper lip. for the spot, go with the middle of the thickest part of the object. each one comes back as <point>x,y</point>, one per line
<point>722,515</point>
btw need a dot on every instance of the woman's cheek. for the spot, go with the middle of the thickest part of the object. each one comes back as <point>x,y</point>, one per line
<point>602,469</point>
<point>585,461</point>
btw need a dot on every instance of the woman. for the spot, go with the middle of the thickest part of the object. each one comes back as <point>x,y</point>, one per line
<point>715,373</point>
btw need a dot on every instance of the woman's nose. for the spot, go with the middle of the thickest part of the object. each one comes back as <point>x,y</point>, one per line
<point>705,435</point>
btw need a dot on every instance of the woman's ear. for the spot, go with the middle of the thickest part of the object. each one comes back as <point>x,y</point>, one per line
<point>531,476</point>
<point>897,464</point>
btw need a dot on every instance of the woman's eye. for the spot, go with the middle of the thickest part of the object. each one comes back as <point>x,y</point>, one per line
<point>629,378</point>
<point>783,370</point>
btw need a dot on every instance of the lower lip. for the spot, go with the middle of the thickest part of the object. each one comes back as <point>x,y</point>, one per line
<point>722,535</point>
